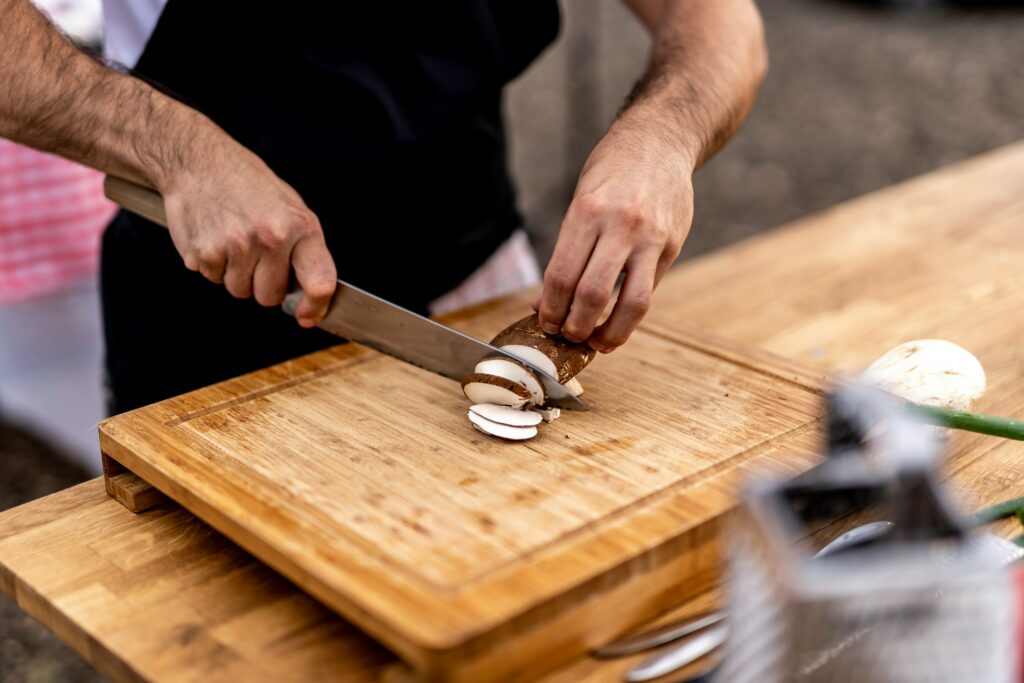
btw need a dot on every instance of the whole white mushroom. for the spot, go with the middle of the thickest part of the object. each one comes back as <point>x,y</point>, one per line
<point>932,372</point>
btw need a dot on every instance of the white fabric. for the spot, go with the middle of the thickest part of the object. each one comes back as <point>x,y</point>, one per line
<point>127,26</point>
<point>80,19</point>
<point>509,269</point>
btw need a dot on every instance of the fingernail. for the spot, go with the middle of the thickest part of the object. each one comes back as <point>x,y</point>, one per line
<point>599,347</point>
<point>550,328</point>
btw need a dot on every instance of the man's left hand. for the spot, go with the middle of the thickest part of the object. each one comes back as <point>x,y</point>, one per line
<point>630,214</point>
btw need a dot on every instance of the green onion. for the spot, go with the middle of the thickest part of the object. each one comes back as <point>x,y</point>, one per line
<point>1008,508</point>
<point>971,422</point>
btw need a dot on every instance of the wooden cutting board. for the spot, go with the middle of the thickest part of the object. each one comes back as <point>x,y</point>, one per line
<point>360,478</point>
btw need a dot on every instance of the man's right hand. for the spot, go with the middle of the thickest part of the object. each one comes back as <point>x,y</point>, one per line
<point>237,223</point>
<point>230,217</point>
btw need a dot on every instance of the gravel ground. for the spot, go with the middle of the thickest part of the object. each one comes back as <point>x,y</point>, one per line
<point>857,98</point>
<point>28,652</point>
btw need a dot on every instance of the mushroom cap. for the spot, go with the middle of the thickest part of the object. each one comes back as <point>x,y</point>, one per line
<point>932,372</point>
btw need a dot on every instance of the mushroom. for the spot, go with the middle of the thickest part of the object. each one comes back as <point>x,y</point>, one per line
<point>931,372</point>
<point>555,355</point>
<point>941,383</point>
<point>480,388</point>
<point>499,386</point>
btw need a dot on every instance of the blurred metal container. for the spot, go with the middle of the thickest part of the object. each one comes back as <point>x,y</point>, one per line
<point>930,602</point>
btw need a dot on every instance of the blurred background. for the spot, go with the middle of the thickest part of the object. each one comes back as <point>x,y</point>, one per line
<point>860,95</point>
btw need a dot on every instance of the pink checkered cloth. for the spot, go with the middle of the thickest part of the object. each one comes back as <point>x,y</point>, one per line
<point>52,212</point>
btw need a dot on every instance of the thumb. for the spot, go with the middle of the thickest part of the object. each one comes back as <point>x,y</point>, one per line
<point>315,271</point>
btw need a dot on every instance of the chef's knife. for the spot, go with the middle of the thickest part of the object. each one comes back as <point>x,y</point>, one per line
<point>361,317</point>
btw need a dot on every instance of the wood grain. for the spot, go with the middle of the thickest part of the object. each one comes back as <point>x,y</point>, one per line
<point>128,489</point>
<point>359,477</point>
<point>176,597</point>
<point>967,220</point>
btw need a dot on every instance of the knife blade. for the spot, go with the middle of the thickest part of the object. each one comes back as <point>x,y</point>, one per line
<point>359,316</point>
<point>362,317</point>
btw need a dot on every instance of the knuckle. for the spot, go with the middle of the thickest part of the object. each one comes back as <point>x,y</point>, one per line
<point>320,289</point>
<point>592,295</point>
<point>271,237</point>
<point>616,339</point>
<point>558,281</point>
<point>302,221</point>
<point>589,206</point>
<point>631,219</point>
<point>673,245</point>
<point>236,243</point>
<point>209,256</point>
<point>638,304</point>
<point>576,331</point>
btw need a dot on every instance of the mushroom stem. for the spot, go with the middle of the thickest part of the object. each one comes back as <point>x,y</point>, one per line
<point>971,422</point>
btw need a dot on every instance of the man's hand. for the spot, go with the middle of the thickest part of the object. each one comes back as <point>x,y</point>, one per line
<point>230,217</point>
<point>634,200</point>
<point>630,214</point>
<point>238,224</point>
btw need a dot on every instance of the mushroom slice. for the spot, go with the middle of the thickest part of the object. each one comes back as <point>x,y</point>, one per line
<point>511,370</point>
<point>506,415</point>
<point>481,388</point>
<point>574,387</point>
<point>533,356</point>
<point>547,414</point>
<point>501,431</point>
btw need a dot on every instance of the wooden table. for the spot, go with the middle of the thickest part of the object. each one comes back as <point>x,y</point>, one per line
<point>160,596</point>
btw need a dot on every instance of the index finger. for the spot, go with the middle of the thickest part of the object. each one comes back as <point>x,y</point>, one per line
<point>315,271</point>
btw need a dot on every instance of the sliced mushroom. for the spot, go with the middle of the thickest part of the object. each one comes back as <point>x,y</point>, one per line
<point>481,388</point>
<point>566,358</point>
<point>506,415</point>
<point>532,356</point>
<point>547,414</point>
<point>520,374</point>
<point>574,386</point>
<point>501,430</point>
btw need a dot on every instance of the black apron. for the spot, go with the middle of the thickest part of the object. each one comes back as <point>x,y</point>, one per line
<point>385,117</point>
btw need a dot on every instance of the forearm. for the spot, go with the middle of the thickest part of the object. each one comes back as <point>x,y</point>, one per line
<point>707,61</point>
<point>55,98</point>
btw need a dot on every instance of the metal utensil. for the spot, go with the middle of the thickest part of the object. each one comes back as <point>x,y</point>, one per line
<point>858,536</point>
<point>359,316</point>
<point>681,628</point>
<point>659,636</point>
<point>675,657</point>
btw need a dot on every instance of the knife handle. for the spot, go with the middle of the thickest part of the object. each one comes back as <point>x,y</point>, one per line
<point>136,198</point>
